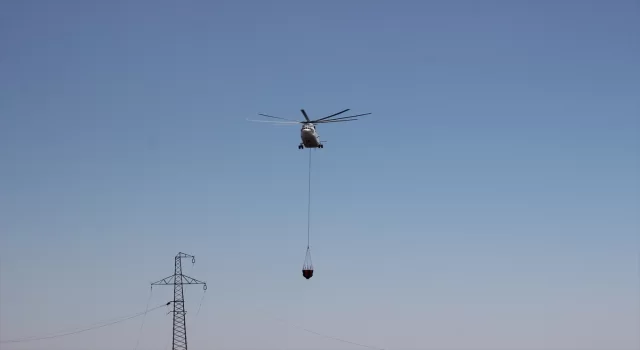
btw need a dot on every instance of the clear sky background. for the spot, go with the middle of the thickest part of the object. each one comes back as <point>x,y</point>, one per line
<point>491,201</point>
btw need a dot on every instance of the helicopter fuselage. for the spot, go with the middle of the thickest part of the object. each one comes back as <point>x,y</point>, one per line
<point>309,137</point>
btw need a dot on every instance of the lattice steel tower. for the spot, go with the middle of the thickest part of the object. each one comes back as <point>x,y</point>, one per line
<point>179,312</point>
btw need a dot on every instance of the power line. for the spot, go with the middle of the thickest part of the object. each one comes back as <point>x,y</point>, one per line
<point>120,320</point>
<point>27,339</point>
<point>324,335</point>
<point>144,318</point>
<point>340,340</point>
<point>71,329</point>
<point>201,300</point>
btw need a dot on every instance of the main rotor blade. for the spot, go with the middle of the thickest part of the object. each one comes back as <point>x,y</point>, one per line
<point>335,121</point>
<point>349,118</point>
<point>270,116</point>
<point>353,116</point>
<point>273,121</point>
<point>333,115</point>
<point>305,115</point>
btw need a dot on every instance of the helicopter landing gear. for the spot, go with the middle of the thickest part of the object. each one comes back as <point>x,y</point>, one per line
<point>301,146</point>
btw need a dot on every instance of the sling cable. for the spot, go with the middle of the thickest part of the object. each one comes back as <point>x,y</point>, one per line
<point>307,267</point>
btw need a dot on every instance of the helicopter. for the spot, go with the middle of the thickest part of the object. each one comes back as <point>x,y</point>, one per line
<point>308,134</point>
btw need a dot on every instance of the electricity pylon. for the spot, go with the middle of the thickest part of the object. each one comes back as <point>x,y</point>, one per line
<point>179,312</point>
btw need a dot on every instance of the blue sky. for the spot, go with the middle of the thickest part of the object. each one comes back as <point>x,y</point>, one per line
<point>489,202</point>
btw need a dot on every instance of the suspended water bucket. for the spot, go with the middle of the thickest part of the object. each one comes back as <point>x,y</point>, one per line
<point>307,273</point>
<point>307,267</point>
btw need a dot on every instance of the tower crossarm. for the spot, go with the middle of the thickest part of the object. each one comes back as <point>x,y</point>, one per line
<point>190,280</point>
<point>171,280</point>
